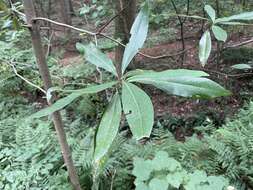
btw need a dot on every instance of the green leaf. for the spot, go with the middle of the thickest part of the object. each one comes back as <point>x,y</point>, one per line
<point>142,169</point>
<point>138,109</point>
<point>241,66</point>
<point>217,182</point>
<point>195,180</point>
<point>246,16</point>
<point>190,84</point>
<point>205,46</point>
<point>96,57</point>
<point>141,186</point>
<point>139,33</point>
<point>166,75</point>
<point>177,178</point>
<point>158,184</point>
<point>162,161</point>
<point>108,128</point>
<point>211,12</point>
<point>70,98</point>
<point>219,33</point>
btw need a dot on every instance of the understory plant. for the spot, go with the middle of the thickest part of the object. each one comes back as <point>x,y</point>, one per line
<point>128,97</point>
<point>163,172</point>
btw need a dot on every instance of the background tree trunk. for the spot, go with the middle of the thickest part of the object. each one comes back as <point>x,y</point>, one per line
<point>65,11</point>
<point>123,25</point>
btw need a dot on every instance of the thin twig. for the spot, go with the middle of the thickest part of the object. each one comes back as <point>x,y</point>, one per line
<point>64,25</point>
<point>109,21</point>
<point>23,78</point>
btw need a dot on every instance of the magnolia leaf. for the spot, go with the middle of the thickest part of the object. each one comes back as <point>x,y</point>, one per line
<point>205,46</point>
<point>139,33</point>
<point>211,12</point>
<point>241,66</point>
<point>108,128</point>
<point>138,109</point>
<point>166,75</point>
<point>190,84</point>
<point>246,16</point>
<point>96,57</point>
<point>219,33</point>
<point>61,103</point>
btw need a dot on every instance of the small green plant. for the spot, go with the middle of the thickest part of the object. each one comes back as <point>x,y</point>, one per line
<point>128,97</point>
<point>205,44</point>
<point>164,173</point>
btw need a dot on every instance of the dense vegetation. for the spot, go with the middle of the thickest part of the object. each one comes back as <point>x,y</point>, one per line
<point>164,104</point>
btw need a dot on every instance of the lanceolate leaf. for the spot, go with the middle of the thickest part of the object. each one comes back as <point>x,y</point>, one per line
<point>241,66</point>
<point>185,86</point>
<point>205,46</point>
<point>96,57</point>
<point>108,128</point>
<point>166,75</point>
<point>243,16</point>
<point>138,109</point>
<point>211,12</point>
<point>70,98</point>
<point>139,33</point>
<point>219,33</point>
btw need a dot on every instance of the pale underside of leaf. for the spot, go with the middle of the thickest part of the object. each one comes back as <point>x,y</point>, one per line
<point>205,45</point>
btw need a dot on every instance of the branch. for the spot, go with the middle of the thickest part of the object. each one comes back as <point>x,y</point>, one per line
<point>24,79</point>
<point>64,25</point>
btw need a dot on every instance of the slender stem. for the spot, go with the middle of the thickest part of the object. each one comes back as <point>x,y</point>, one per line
<point>45,75</point>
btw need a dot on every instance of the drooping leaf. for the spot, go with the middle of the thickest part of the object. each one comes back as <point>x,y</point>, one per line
<point>108,128</point>
<point>181,85</point>
<point>139,33</point>
<point>96,57</point>
<point>211,12</point>
<point>70,98</point>
<point>241,66</point>
<point>246,16</point>
<point>205,46</point>
<point>219,33</point>
<point>138,109</point>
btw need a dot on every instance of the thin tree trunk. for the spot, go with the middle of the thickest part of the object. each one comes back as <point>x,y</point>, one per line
<point>44,72</point>
<point>123,25</point>
<point>65,13</point>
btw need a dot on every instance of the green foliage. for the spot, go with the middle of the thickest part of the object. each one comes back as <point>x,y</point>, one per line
<point>163,172</point>
<point>138,109</point>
